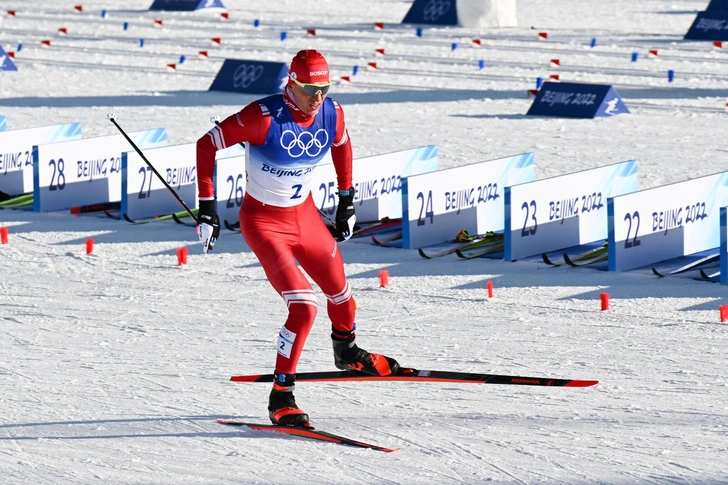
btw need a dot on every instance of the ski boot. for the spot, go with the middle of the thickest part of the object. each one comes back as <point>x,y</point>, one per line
<point>282,407</point>
<point>349,356</point>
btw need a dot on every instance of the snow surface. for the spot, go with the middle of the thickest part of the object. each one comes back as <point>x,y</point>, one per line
<point>114,366</point>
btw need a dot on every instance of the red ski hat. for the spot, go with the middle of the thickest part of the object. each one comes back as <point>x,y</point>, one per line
<point>309,66</point>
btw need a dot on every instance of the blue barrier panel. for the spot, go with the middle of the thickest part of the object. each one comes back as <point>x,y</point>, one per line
<point>3,123</point>
<point>711,25</point>
<point>432,12</point>
<point>16,153</point>
<point>143,194</point>
<point>229,182</point>
<point>252,77</point>
<point>6,62</point>
<point>717,5</point>
<point>577,100</point>
<point>86,171</point>
<point>437,205</point>
<point>723,246</point>
<point>665,222</point>
<point>185,5</point>
<point>377,182</point>
<point>564,211</point>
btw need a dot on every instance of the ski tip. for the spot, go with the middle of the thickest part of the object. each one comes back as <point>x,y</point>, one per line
<point>232,226</point>
<point>709,276</point>
<point>253,378</point>
<point>657,273</point>
<point>422,253</point>
<point>581,383</point>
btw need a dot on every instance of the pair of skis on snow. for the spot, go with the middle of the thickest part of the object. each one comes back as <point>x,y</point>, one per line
<point>18,202</point>
<point>178,217</point>
<point>476,247</point>
<point>591,256</point>
<point>706,260</point>
<point>600,254</point>
<point>404,374</point>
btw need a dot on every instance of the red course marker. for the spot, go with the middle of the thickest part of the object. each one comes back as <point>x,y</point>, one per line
<point>605,301</point>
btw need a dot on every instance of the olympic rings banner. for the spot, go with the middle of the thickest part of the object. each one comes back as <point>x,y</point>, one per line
<point>185,5</point>
<point>251,77</point>
<point>432,12</point>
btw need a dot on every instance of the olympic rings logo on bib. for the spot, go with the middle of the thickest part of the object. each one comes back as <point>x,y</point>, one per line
<point>434,9</point>
<point>304,142</point>
<point>246,74</point>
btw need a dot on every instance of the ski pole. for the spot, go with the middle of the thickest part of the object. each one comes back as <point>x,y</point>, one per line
<point>112,118</point>
<point>216,120</point>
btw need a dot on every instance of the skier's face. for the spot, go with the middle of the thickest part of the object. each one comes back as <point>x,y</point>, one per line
<point>310,104</point>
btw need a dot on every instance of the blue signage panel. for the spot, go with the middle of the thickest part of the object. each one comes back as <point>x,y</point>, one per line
<point>3,123</point>
<point>432,12</point>
<point>717,5</point>
<point>16,153</point>
<point>83,172</point>
<point>709,25</point>
<point>229,181</point>
<point>723,246</point>
<point>665,222</point>
<point>251,77</point>
<point>6,62</point>
<point>144,195</point>
<point>577,100</point>
<point>564,211</point>
<point>437,205</point>
<point>185,5</point>
<point>378,182</point>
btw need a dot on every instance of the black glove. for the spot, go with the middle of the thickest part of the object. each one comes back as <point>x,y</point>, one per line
<point>345,217</point>
<point>208,225</point>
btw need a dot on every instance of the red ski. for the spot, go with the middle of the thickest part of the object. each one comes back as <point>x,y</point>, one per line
<point>307,432</point>
<point>409,374</point>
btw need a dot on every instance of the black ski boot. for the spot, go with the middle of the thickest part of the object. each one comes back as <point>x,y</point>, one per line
<point>282,407</point>
<point>349,356</point>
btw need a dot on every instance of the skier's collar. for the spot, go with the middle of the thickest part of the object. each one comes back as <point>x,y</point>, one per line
<point>290,101</point>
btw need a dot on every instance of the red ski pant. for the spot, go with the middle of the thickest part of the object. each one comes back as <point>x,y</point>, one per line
<point>280,236</point>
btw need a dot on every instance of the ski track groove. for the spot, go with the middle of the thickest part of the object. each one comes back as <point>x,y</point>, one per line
<point>428,449</point>
<point>463,451</point>
<point>42,470</point>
